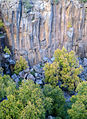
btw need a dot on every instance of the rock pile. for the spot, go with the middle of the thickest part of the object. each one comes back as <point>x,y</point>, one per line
<point>36,73</point>
<point>7,63</point>
<point>83,75</point>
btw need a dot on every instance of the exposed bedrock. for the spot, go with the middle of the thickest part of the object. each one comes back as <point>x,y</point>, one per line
<point>46,26</point>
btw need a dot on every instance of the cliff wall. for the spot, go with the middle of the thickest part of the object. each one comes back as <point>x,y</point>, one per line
<point>35,33</point>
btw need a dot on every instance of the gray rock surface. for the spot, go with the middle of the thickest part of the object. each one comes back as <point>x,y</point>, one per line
<point>35,33</point>
<point>15,78</point>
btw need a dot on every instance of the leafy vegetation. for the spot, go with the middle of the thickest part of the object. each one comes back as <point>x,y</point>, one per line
<point>20,65</point>
<point>65,68</point>
<point>57,98</point>
<point>29,102</point>
<point>26,101</point>
<point>1,24</point>
<point>83,1</point>
<point>27,5</point>
<point>79,103</point>
<point>6,50</point>
<point>6,86</point>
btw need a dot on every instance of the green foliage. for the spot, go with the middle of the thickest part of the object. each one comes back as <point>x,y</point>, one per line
<point>57,97</point>
<point>6,86</point>
<point>27,5</point>
<point>28,102</point>
<point>65,68</point>
<point>1,70</point>
<point>83,1</point>
<point>9,108</point>
<point>56,1</point>
<point>30,95</point>
<point>79,103</point>
<point>1,24</point>
<point>6,50</point>
<point>51,73</point>
<point>69,25</point>
<point>20,65</point>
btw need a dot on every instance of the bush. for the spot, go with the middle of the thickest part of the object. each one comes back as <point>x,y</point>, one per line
<point>83,1</point>
<point>6,86</point>
<point>20,65</point>
<point>58,100</point>
<point>1,24</point>
<point>27,5</point>
<point>27,103</point>
<point>79,103</point>
<point>65,68</point>
<point>6,50</point>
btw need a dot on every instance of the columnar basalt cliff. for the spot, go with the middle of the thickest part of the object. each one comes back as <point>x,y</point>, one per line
<point>45,26</point>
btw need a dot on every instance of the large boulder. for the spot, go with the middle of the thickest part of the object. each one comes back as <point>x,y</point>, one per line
<point>30,77</point>
<point>85,62</point>
<point>51,117</point>
<point>40,82</point>
<point>15,78</point>
<point>5,56</point>
<point>24,73</point>
<point>37,69</point>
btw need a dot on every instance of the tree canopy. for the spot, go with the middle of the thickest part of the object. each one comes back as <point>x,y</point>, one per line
<point>79,102</point>
<point>65,69</point>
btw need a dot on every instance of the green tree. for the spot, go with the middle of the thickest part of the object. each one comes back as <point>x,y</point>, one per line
<point>84,1</point>
<point>6,50</point>
<point>51,73</point>
<point>20,65</point>
<point>58,100</point>
<point>7,86</point>
<point>29,92</point>
<point>65,68</point>
<point>1,24</point>
<point>28,102</point>
<point>79,103</point>
<point>9,109</point>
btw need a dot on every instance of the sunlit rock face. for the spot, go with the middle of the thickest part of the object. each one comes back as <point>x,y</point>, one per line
<point>45,26</point>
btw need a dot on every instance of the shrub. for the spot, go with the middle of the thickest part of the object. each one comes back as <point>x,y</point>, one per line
<point>1,24</point>
<point>58,100</point>
<point>69,25</point>
<point>83,1</point>
<point>27,5</point>
<point>6,50</point>
<point>6,86</point>
<point>27,103</point>
<point>79,103</point>
<point>20,65</point>
<point>65,68</point>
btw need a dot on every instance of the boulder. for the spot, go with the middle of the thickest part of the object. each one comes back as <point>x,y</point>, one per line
<point>24,73</point>
<point>6,56</point>
<point>21,74</point>
<point>40,82</point>
<point>31,77</point>
<point>15,78</point>
<point>85,62</point>
<point>46,59</point>
<point>52,59</point>
<point>11,62</point>
<point>37,69</point>
<point>27,70</point>
<point>38,76</point>
<point>51,117</point>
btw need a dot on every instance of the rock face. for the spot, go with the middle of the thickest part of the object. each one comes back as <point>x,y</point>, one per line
<point>45,27</point>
